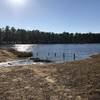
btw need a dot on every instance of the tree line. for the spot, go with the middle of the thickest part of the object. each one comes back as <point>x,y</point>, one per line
<point>11,36</point>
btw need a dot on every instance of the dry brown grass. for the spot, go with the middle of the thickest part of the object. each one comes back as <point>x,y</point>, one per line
<point>6,55</point>
<point>79,80</point>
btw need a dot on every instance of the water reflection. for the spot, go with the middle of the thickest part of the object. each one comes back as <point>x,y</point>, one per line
<point>23,48</point>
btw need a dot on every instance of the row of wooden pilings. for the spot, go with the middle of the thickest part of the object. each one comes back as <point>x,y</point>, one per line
<point>63,55</point>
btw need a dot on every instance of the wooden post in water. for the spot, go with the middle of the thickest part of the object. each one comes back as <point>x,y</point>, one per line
<point>48,54</point>
<point>55,54</point>
<point>74,57</point>
<point>33,55</point>
<point>37,54</point>
<point>63,56</point>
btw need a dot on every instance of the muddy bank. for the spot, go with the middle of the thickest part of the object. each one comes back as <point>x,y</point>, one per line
<point>20,54</point>
<point>79,80</point>
<point>20,59</point>
<point>8,54</point>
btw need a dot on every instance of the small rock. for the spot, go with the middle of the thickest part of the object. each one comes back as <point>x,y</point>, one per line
<point>27,87</point>
<point>9,64</point>
<point>78,98</point>
<point>70,97</point>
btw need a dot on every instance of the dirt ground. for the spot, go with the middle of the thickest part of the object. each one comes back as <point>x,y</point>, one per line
<point>79,80</point>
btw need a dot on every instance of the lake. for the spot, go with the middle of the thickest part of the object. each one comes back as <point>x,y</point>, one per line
<point>59,52</point>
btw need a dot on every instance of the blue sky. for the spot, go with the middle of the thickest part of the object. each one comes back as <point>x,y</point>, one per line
<point>51,15</point>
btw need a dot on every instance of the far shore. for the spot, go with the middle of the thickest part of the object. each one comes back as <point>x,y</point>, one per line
<point>77,80</point>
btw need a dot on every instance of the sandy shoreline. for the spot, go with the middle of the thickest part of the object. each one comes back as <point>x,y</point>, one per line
<point>79,80</point>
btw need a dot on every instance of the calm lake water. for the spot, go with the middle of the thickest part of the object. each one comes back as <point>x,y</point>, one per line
<point>60,52</point>
<point>57,53</point>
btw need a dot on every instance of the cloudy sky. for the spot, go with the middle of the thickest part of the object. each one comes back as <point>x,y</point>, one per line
<point>51,15</point>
